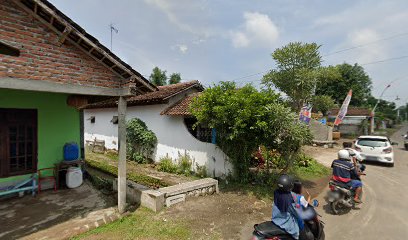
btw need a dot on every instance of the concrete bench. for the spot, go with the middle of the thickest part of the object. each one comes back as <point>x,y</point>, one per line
<point>167,196</point>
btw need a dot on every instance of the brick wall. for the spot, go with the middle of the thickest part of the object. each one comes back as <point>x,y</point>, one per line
<point>41,57</point>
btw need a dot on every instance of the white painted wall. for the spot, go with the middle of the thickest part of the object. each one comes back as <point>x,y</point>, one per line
<point>172,135</point>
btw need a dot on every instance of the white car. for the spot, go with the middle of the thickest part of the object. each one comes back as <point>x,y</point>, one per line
<point>376,148</point>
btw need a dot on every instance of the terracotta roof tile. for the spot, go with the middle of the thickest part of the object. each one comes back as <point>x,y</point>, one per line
<point>352,111</point>
<point>181,108</point>
<point>156,97</point>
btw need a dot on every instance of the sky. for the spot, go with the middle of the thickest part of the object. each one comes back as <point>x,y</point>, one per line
<point>214,40</point>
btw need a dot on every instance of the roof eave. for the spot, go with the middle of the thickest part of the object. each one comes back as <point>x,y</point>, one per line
<point>68,30</point>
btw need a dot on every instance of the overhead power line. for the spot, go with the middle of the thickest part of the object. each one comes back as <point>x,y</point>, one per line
<point>363,64</point>
<point>367,44</point>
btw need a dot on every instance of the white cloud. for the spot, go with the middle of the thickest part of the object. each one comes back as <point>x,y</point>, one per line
<point>239,39</point>
<point>173,12</point>
<point>370,52</point>
<point>182,48</point>
<point>258,29</point>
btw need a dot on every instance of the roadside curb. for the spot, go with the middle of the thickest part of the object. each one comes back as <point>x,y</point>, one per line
<point>103,220</point>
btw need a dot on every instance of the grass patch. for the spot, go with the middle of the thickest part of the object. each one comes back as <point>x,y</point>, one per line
<point>138,178</point>
<point>313,171</point>
<point>142,224</point>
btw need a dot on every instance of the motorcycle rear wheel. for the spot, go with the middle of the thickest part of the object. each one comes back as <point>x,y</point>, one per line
<point>338,208</point>
<point>335,207</point>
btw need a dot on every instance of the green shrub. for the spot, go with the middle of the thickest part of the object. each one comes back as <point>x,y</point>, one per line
<point>166,165</point>
<point>184,164</point>
<point>140,141</point>
<point>273,159</point>
<point>303,160</point>
<point>309,168</point>
<point>137,178</point>
<point>201,171</point>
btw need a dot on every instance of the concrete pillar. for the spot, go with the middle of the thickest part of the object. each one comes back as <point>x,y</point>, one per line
<point>122,155</point>
<point>372,124</point>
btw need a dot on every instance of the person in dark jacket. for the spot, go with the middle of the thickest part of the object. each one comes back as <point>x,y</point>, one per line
<point>345,172</point>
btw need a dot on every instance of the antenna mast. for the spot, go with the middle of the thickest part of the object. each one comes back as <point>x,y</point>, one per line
<point>112,29</point>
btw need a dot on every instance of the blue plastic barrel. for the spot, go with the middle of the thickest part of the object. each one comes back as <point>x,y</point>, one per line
<point>71,151</point>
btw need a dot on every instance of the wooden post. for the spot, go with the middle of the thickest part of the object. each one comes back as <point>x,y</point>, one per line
<point>122,155</point>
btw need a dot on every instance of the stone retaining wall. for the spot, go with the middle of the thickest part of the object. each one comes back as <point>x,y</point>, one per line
<point>167,196</point>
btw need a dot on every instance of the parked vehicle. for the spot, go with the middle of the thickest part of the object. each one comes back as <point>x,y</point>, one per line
<point>269,231</point>
<point>376,148</point>
<point>340,197</point>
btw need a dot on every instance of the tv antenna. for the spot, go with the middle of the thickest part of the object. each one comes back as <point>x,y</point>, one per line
<point>112,29</point>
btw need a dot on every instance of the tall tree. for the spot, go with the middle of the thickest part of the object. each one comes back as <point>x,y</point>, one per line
<point>175,78</point>
<point>352,77</point>
<point>298,70</point>
<point>246,118</point>
<point>158,77</point>
<point>322,103</point>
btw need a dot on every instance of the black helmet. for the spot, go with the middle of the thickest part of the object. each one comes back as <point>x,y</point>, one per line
<point>285,183</point>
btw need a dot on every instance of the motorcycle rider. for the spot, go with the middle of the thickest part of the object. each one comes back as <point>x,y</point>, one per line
<point>284,214</point>
<point>355,157</point>
<point>345,172</point>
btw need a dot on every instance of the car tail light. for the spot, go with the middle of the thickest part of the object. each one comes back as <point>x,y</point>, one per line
<point>388,150</point>
<point>358,149</point>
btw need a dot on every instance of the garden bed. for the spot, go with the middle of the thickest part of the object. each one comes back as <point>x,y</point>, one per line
<point>145,174</point>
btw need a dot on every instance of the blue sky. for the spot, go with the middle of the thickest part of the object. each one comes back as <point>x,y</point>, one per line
<point>215,41</point>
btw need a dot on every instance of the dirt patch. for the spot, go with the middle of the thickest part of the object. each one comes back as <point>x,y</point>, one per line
<point>228,215</point>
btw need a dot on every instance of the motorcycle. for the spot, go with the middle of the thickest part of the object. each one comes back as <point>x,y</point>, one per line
<point>406,143</point>
<point>341,197</point>
<point>269,231</point>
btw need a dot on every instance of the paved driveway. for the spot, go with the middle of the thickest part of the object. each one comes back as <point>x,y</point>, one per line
<point>384,213</point>
<point>53,215</point>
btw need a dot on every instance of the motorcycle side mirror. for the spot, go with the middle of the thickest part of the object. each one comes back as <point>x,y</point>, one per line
<point>315,203</point>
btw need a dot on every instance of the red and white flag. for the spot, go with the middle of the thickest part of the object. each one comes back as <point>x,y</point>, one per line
<point>343,110</point>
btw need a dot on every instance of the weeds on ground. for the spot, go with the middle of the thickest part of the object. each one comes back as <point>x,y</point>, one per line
<point>138,178</point>
<point>142,224</point>
<point>183,166</point>
<point>310,171</point>
<point>166,165</point>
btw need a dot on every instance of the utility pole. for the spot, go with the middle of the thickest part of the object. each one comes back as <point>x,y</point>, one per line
<point>112,29</point>
<point>375,107</point>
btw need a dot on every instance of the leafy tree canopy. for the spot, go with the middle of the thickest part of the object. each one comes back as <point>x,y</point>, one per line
<point>246,118</point>
<point>298,70</point>
<point>384,110</point>
<point>175,78</point>
<point>323,103</point>
<point>351,77</point>
<point>158,77</point>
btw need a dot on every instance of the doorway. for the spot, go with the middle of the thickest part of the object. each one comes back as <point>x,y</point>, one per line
<point>18,141</point>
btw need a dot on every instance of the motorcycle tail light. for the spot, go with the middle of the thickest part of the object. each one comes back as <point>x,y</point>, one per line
<point>387,150</point>
<point>358,149</point>
<point>331,187</point>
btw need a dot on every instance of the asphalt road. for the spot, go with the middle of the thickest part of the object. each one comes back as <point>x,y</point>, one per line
<point>384,212</point>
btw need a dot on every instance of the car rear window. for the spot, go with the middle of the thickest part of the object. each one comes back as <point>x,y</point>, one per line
<point>372,142</point>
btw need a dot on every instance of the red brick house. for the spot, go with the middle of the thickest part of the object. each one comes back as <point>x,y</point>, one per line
<point>49,66</point>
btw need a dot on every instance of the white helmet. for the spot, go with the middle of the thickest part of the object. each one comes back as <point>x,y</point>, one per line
<point>344,154</point>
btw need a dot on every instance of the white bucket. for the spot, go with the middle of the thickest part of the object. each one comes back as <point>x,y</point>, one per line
<point>73,178</point>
